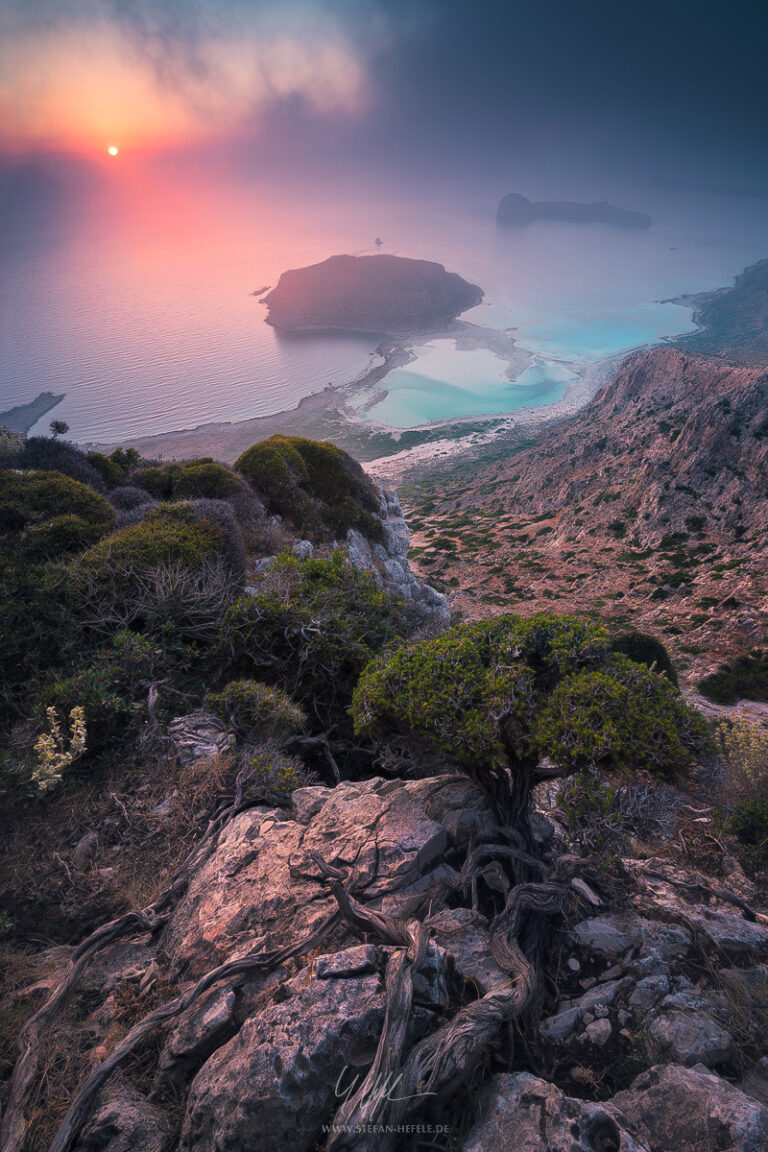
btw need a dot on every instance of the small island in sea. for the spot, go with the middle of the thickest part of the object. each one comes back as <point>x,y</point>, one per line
<point>517,211</point>
<point>378,294</point>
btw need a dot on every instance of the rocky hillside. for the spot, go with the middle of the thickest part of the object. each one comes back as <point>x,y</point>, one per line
<point>649,506</point>
<point>733,322</point>
<point>287,859</point>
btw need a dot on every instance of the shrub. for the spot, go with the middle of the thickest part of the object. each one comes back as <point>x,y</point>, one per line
<point>252,709</point>
<point>274,777</point>
<point>311,629</point>
<point>11,445</point>
<point>59,536</point>
<point>109,470</point>
<point>600,813</point>
<point>54,752</point>
<point>498,695</point>
<point>111,689</point>
<point>316,485</point>
<point>44,454</point>
<point>221,515</point>
<point>210,480</point>
<point>164,536</point>
<point>30,498</point>
<point>35,626</point>
<point>745,679</point>
<point>126,497</point>
<point>749,823</point>
<point>644,649</point>
<point>623,715</point>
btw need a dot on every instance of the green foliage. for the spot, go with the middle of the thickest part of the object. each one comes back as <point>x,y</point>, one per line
<point>111,688</point>
<point>166,535</point>
<point>253,708</point>
<point>58,537</point>
<point>275,777</point>
<point>205,480</point>
<point>316,485</point>
<point>29,499</point>
<point>45,454</point>
<point>745,679</point>
<point>11,445</point>
<point>35,626</point>
<point>509,691</point>
<point>644,649</point>
<point>748,822</point>
<point>109,470</point>
<point>311,629</point>
<point>473,692</point>
<point>622,715</point>
<point>202,478</point>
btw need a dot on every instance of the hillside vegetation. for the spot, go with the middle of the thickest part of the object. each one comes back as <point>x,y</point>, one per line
<point>206,672</point>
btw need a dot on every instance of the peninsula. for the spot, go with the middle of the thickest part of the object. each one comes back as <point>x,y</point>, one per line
<point>379,294</point>
<point>23,417</point>
<point>517,211</point>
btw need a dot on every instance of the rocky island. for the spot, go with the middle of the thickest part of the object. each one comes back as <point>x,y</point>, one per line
<point>381,294</point>
<point>517,211</point>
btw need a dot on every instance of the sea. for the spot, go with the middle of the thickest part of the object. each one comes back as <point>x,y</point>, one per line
<point>132,287</point>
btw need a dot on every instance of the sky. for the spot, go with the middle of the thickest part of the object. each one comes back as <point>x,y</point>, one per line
<point>672,87</point>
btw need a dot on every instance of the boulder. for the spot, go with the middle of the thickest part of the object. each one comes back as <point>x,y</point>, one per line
<point>124,1121</point>
<point>520,1113</point>
<point>261,886</point>
<point>689,1039</point>
<point>275,1083</point>
<point>692,1109</point>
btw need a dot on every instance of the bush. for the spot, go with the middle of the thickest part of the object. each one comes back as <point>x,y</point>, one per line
<point>35,627</point>
<point>57,537</point>
<point>275,777</point>
<point>311,629</point>
<point>316,485</point>
<point>623,716</point>
<point>164,536</point>
<point>111,689</point>
<point>644,649</point>
<point>30,498</point>
<point>109,470</point>
<point>254,709</point>
<point>221,515</point>
<point>126,497</point>
<point>745,679</point>
<point>11,445</point>
<point>748,822</point>
<point>498,695</point>
<point>45,454</point>
<point>208,480</point>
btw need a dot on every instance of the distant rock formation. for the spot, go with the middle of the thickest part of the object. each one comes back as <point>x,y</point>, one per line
<point>382,294</point>
<point>24,416</point>
<point>517,211</point>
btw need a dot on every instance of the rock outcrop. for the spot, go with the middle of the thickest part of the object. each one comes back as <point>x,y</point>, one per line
<point>376,294</point>
<point>517,211</point>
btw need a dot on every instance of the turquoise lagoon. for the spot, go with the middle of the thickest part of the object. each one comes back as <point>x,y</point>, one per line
<point>447,382</point>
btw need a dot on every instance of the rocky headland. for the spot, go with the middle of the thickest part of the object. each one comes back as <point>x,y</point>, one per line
<point>379,294</point>
<point>516,211</point>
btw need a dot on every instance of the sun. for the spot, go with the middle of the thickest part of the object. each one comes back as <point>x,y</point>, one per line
<point>113,150</point>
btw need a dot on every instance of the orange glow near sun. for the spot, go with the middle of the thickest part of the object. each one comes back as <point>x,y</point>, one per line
<point>113,150</point>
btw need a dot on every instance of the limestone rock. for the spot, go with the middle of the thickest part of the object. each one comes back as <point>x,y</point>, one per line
<point>124,1121</point>
<point>692,1109</point>
<point>520,1113</point>
<point>261,886</point>
<point>274,1084</point>
<point>692,1039</point>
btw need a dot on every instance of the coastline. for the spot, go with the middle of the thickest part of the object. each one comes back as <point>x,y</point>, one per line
<point>23,417</point>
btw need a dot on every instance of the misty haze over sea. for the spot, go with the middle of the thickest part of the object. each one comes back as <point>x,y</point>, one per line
<point>130,290</point>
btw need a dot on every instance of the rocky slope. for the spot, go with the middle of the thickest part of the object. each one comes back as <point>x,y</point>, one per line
<point>733,321</point>
<point>276,991</point>
<point>383,294</point>
<point>649,506</point>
